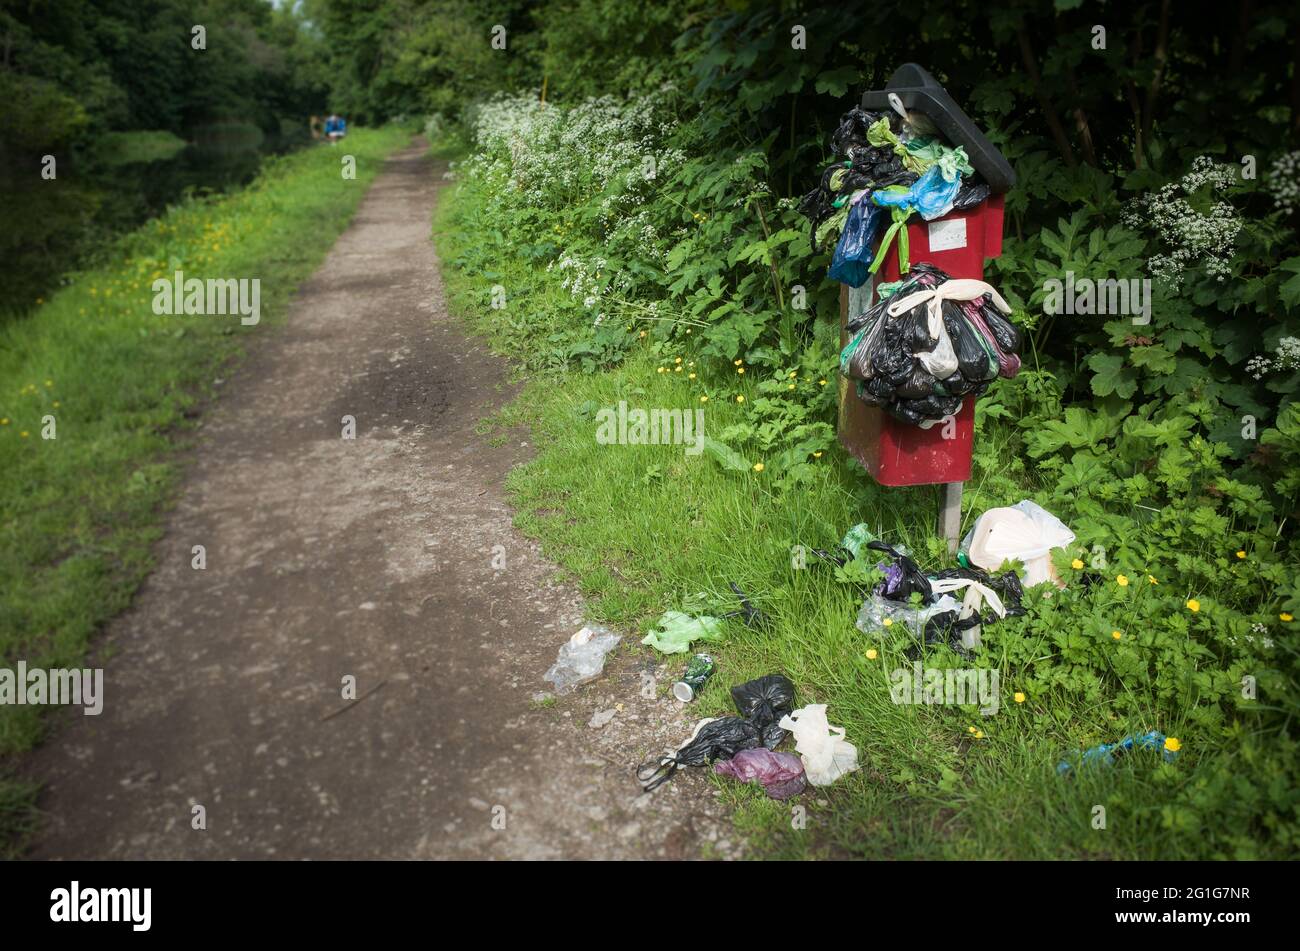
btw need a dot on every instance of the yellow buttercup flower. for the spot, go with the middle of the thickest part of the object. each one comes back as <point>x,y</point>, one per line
<point>871,654</point>
<point>887,622</point>
<point>704,399</point>
<point>758,467</point>
<point>1019,697</point>
<point>1193,605</point>
<point>1116,634</point>
<point>739,362</point>
<point>1241,554</point>
<point>741,370</point>
<point>1285,617</point>
<point>1151,579</point>
<point>690,376</point>
<point>817,454</point>
<point>1173,744</point>
<point>678,360</point>
<point>1077,565</point>
<point>1122,580</point>
<point>740,399</point>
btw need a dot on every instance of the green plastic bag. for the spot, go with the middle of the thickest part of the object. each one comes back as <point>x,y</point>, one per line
<point>678,630</point>
<point>856,539</point>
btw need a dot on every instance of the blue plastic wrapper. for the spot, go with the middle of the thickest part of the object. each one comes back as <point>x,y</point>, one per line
<point>931,195</point>
<point>851,263</point>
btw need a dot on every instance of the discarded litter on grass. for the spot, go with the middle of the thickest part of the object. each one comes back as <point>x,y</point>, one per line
<point>826,755</point>
<point>780,774</point>
<point>762,702</point>
<point>675,631</point>
<point>1024,532</point>
<point>1104,755</point>
<point>582,657</point>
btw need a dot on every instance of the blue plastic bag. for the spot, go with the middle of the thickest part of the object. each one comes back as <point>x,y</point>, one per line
<point>1105,753</point>
<point>931,195</point>
<point>851,263</point>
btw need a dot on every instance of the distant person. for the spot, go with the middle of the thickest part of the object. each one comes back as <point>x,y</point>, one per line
<point>335,127</point>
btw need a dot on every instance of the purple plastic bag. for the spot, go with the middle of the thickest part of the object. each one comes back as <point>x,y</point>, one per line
<point>780,773</point>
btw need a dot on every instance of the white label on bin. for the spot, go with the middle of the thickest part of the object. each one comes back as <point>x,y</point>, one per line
<point>946,235</point>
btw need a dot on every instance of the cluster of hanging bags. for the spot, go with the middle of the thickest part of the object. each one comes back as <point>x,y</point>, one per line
<point>934,341</point>
<point>885,171</point>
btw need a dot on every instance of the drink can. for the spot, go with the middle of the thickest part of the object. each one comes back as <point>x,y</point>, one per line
<point>698,670</point>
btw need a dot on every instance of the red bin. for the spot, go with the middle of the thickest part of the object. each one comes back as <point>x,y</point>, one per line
<point>898,453</point>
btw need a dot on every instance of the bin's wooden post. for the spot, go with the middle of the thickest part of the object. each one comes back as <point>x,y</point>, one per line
<point>950,515</point>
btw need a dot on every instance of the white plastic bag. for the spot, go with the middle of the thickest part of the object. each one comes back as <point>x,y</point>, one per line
<point>1025,531</point>
<point>582,657</point>
<point>826,755</point>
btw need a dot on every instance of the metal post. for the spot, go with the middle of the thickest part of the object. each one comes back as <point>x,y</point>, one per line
<point>950,515</point>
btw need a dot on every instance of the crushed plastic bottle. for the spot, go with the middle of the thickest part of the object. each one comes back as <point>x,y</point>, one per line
<point>582,657</point>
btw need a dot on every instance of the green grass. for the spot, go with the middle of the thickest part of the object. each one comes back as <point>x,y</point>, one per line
<point>81,511</point>
<point>643,529</point>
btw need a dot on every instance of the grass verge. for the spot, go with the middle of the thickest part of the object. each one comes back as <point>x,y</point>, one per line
<point>643,529</point>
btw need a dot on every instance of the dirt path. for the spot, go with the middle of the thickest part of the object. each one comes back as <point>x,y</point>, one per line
<point>371,558</point>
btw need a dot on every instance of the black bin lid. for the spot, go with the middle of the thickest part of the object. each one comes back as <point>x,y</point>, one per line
<point>920,92</point>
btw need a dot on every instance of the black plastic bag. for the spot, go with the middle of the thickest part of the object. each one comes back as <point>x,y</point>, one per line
<point>1004,331</point>
<point>761,702</point>
<point>918,385</point>
<point>916,412</point>
<point>902,577</point>
<point>945,628</point>
<point>970,194</point>
<point>765,700</point>
<point>975,362</point>
<point>719,739</point>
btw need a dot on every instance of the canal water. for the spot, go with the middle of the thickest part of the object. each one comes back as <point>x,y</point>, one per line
<point>54,226</point>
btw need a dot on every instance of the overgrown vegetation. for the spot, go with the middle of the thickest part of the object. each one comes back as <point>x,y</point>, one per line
<point>82,510</point>
<point>648,251</point>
